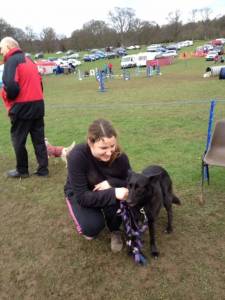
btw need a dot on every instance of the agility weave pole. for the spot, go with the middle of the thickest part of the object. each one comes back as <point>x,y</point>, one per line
<point>133,233</point>
<point>205,167</point>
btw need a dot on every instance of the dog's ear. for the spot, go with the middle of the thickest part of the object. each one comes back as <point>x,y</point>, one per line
<point>153,178</point>
<point>129,174</point>
<point>73,144</point>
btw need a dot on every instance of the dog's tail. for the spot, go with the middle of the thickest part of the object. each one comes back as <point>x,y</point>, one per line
<point>46,141</point>
<point>176,200</point>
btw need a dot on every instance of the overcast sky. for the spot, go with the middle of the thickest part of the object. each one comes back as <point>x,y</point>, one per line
<point>67,16</point>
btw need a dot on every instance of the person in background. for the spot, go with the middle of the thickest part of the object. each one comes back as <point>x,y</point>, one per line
<point>96,183</point>
<point>110,68</point>
<point>216,59</point>
<point>22,94</point>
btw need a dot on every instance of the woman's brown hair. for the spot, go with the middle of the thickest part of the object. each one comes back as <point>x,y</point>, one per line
<point>101,129</point>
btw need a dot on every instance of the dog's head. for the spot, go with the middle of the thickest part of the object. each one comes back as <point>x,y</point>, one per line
<point>140,187</point>
<point>66,150</point>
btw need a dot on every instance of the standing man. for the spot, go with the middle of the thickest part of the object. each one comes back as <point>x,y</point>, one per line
<point>110,68</point>
<point>22,94</point>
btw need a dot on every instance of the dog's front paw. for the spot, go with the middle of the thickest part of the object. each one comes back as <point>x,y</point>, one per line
<point>154,252</point>
<point>169,229</point>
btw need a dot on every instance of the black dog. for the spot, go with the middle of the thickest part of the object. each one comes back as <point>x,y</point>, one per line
<point>150,190</point>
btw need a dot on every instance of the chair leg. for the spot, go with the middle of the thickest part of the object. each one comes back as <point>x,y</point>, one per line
<point>201,199</point>
<point>207,172</point>
<point>205,175</point>
<point>202,171</point>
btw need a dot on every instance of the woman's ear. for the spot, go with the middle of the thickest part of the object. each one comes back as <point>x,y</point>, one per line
<point>89,142</point>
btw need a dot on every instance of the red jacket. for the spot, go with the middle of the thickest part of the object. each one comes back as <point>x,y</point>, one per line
<point>22,85</point>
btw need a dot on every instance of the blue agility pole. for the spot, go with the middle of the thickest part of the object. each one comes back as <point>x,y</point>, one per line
<point>149,71</point>
<point>100,78</point>
<point>205,170</point>
<point>126,74</point>
<point>211,115</point>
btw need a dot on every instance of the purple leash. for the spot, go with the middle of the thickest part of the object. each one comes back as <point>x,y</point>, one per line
<point>133,232</point>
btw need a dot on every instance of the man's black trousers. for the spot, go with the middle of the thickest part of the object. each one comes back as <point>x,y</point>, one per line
<point>19,132</point>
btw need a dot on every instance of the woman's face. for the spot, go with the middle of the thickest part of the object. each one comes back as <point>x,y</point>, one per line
<point>104,148</point>
<point>4,49</point>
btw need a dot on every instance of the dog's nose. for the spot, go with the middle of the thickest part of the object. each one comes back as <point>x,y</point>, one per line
<point>129,202</point>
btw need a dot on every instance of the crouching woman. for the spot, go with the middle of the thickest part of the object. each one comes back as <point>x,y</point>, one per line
<point>96,183</point>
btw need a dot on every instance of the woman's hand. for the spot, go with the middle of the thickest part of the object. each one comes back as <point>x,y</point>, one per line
<point>104,185</point>
<point>121,193</point>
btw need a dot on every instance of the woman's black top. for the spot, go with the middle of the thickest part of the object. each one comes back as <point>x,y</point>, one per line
<point>85,171</point>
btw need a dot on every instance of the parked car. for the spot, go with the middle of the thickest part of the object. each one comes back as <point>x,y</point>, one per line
<point>39,55</point>
<point>101,54</point>
<point>153,47</point>
<point>216,42</point>
<point>185,43</point>
<point>173,47</point>
<point>156,49</point>
<point>170,53</point>
<point>212,55</point>
<point>96,55</point>
<point>69,52</point>
<point>111,54</point>
<point>130,48</point>
<point>28,54</point>
<point>74,55</point>
<point>89,57</point>
<point>219,49</point>
<point>120,51</point>
<point>52,58</point>
<point>74,62</point>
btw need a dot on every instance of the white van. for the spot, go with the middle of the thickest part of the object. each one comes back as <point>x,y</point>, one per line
<point>128,61</point>
<point>144,56</point>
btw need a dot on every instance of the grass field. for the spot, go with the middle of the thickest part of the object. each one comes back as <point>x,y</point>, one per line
<point>160,120</point>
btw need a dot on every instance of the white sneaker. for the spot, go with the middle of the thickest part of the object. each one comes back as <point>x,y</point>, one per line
<point>88,237</point>
<point>116,241</point>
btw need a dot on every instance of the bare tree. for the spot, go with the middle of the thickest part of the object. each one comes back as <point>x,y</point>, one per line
<point>94,34</point>
<point>122,20</point>
<point>63,43</point>
<point>30,35</point>
<point>5,29</point>
<point>175,25</point>
<point>48,37</point>
<point>205,13</point>
<point>19,34</point>
<point>194,13</point>
<point>124,28</point>
<point>29,39</point>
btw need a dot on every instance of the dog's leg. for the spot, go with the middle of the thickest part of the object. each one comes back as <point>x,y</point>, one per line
<point>166,188</point>
<point>168,207</point>
<point>153,247</point>
<point>167,203</point>
<point>151,227</point>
